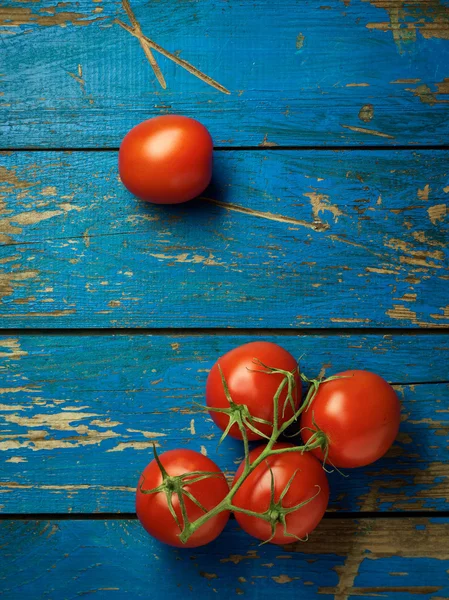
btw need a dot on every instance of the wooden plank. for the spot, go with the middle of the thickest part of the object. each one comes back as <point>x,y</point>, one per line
<point>283,239</point>
<point>78,416</point>
<point>395,559</point>
<point>361,72</point>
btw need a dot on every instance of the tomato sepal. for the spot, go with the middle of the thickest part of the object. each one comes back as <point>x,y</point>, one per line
<point>276,513</point>
<point>314,386</point>
<point>175,485</point>
<point>318,439</point>
<point>290,378</point>
<point>239,414</point>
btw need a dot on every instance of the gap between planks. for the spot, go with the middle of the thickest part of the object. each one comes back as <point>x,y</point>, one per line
<point>349,148</point>
<point>212,331</point>
<point>412,514</point>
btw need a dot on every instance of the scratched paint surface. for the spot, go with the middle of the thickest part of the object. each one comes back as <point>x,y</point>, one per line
<point>288,239</point>
<point>307,67</point>
<point>71,412</point>
<point>116,559</point>
<point>317,240</point>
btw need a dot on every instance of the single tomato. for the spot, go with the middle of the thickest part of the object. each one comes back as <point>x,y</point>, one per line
<point>166,160</point>
<point>359,414</point>
<point>306,481</point>
<point>249,384</point>
<point>153,510</point>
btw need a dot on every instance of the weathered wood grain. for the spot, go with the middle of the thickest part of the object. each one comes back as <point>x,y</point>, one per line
<point>338,72</point>
<point>79,414</point>
<point>282,239</point>
<point>394,559</point>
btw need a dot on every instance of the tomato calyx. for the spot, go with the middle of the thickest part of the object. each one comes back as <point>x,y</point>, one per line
<point>289,378</point>
<point>314,386</point>
<point>276,513</point>
<point>239,415</point>
<point>176,485</point>
<point>318,439</point>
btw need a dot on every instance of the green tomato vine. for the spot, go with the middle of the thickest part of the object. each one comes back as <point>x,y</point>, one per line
<point>240,416</point>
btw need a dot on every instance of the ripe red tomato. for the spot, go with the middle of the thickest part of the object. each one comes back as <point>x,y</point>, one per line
<point>359,413</point>
<point>166,160</point>
<point>153,511</point>
<point>309,481</point>
<point>247,385</point>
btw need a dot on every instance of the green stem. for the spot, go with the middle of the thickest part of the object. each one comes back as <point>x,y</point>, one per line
<point>250,513</point>
<point>316,441</point>
<point>287,450</point>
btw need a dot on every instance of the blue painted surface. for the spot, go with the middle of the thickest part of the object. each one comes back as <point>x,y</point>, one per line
<point>277,94</point>
<point>73,411</point>
<point>121,555</point>
<point>68,559</point>
<point>298,239</point>
<point>288,239</point>
<point>389,573</point>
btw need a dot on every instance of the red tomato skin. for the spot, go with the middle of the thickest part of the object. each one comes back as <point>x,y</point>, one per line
<point>255,493</point>
<point>360,414</point>
<point>249,387</point>
<point>152,509</point>
<point>166,160</point>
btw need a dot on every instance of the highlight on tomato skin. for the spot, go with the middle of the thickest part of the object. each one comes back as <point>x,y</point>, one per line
<point>307,483</point>
<point>166,159</point>
<point>359,412</point>
<point>245,370</point>
<point>153,509</point>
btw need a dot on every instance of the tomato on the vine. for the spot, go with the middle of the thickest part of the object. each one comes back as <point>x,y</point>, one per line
<point>303,476</point>
<point>359,413</point>
<point>249,382</point>
<point>153,509</point>
<point>166,160</point>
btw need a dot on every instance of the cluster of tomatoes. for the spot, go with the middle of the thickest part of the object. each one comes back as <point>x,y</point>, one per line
<point>280,491</point>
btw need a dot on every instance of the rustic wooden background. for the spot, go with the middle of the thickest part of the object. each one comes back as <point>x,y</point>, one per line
<point>325,229</point>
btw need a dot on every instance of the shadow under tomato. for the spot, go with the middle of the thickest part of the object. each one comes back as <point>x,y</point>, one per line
<point>230,558</point>
<point>236,563</point>
<point>202,205</point>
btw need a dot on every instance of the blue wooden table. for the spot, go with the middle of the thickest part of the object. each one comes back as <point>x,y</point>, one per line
<point>325,229</point>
